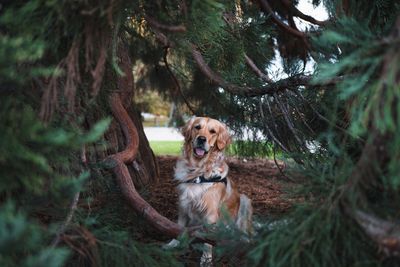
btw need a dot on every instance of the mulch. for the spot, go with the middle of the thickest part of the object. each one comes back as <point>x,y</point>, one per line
<point>259,179</point>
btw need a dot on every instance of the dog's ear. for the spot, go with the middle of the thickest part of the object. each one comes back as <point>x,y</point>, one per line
<point>186,130</point>
<point>223,138</point>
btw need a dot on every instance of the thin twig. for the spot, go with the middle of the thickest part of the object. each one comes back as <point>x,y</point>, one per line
<point>267,9</point>
<point>334,125</point>
<point>288,121</point>
<point>301,15</point>
<point>255,69</point>
<point>73,205</point>
<point>279,168</point>
<point>177,85</point>
<point>67,221</point>
<point>265,124</point>
<point>301,115</point>
<point>273,119</point>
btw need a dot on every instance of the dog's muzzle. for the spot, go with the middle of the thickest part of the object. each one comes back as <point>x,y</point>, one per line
<point>200,148</point>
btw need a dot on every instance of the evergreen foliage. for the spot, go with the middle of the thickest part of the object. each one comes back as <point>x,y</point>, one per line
<point>59,60</point>
<point>340,121</point>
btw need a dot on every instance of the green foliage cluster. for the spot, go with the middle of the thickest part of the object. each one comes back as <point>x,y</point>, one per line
<point>333,131</point>
<point>152,102</point>
<point>251,149</point>
<point>37,172</point>
<point>40,169</point>
<point>343,174</point>
<point>34,159</point>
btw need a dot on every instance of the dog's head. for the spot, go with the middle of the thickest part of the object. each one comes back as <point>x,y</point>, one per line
<point>203,135</point>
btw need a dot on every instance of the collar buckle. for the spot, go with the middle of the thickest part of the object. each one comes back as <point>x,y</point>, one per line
<point>202,179</point>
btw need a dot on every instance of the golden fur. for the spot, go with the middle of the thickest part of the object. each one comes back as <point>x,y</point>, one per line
<point>202,155</point>
<point>205,140</point>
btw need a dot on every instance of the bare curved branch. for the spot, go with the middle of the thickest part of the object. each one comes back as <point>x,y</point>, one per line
<point>118,160</point>
<point>118,164</point>
<point>256,70</point>
<point>288,83</point>
<point>267,9</point>
<point>301,15</point>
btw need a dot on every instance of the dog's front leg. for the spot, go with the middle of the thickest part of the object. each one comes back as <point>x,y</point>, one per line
<point>206,257</point>
<point>182,221</point>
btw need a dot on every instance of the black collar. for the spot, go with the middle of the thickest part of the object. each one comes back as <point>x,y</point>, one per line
<point>202,179</point>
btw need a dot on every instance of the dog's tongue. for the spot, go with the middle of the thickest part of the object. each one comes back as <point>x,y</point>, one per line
<point>199,152</point>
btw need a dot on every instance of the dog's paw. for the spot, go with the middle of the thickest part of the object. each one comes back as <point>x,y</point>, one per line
<point>172,244</point>
<point>206,260</point>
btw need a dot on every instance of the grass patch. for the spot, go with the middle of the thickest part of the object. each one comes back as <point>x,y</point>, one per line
<point>172,148</point>
<point>238,148</point>
<point>252,149</point>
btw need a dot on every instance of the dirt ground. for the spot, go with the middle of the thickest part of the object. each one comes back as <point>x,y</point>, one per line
<point>259,179</point>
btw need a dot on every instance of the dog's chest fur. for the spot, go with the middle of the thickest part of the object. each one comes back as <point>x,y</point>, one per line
<point>195,199</point>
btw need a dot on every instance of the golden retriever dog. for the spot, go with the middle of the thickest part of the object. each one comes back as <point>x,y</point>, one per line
<point>204,186</point>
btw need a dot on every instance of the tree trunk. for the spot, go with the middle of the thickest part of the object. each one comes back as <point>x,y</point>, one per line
<point>144,169</point>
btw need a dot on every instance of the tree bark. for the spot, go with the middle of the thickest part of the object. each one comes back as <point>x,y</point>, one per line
<point>144,168</point>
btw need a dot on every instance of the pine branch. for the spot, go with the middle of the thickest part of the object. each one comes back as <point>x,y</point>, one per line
<point>64,226</point>
<point>267,9</point>
<point>270,89</point>
<point>287,116</point>
<point>256,70</point>
<point>270,133</point>
<point>385,233</point>
<point>177,85</point>
<point>373,158</point>
<point>166,43</point>
<point>301,15</point>
<point>170,28</point>
<point>73,207</point>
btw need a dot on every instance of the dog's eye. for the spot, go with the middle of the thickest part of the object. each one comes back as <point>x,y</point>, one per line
<point>198,127</point>
<point>212,131</point>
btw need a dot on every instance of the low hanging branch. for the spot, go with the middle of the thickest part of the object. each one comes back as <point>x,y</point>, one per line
<point>269,89</point>
<point>268,10</point>
<point>301,15</point>
<point>256,70</point>
<point>167,44</point>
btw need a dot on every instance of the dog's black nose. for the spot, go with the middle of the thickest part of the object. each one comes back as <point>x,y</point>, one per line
<point>201,139</point>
